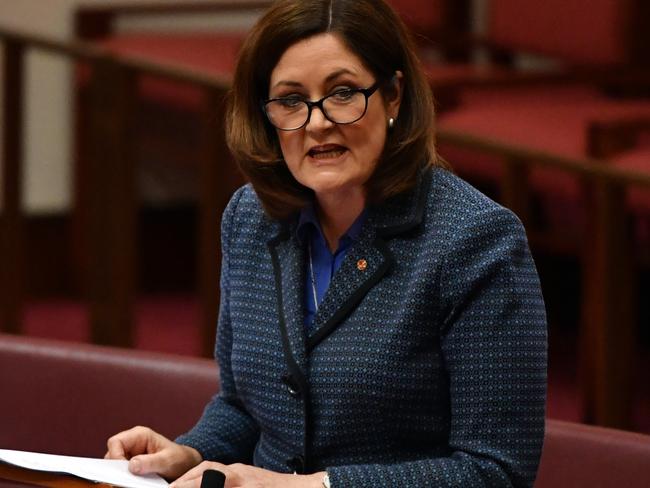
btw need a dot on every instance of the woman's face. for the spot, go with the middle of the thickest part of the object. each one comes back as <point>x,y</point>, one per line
<point>331,159</point>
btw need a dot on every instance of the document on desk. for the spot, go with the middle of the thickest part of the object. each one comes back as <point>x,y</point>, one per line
<point>113,472</point>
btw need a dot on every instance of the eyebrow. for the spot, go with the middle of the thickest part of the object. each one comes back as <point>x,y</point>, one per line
<point>329,78</point>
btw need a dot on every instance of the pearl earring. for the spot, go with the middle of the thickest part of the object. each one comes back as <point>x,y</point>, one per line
<point>391,123</point>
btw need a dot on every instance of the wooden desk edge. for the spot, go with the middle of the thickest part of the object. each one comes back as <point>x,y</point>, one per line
<point>44,478</point>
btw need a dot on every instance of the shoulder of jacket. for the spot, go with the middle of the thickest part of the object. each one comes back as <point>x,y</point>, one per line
<point>455,209</point>
<point>245,212</point>
<point>455,196</point>
<point>244,203</point>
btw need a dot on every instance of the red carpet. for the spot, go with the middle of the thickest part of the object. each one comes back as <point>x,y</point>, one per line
<point>169,323</point>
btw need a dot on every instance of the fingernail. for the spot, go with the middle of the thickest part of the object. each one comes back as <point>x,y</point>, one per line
<point>135,465</point>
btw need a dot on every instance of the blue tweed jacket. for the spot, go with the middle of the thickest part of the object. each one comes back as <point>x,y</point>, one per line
<point>426,368</point>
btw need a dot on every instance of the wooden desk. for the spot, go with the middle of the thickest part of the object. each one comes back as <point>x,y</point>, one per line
<point>15,477</point>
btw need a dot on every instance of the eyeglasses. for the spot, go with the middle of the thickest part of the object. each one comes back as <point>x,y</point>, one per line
<point>341,107</point>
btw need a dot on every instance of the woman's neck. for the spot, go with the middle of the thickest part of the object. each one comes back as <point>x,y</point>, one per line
<point>337,213</point>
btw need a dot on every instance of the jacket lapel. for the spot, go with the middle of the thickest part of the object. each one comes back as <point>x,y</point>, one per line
<point>288,267</point>
<point>369,259</point>
<point>365,264</point>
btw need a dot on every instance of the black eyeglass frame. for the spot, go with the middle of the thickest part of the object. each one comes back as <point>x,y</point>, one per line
<point>367,93</point>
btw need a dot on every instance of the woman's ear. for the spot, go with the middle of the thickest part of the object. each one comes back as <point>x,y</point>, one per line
<point>393,94</point>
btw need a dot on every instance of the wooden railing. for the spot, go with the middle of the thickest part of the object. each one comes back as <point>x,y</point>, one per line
<point>111,214</point>
<point>98,21</point>
<point>11,235</point>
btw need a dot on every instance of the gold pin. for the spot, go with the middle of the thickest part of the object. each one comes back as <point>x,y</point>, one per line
<point>362,264</point>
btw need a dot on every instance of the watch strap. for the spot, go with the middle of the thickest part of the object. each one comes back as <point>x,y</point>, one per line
<point>326,481</point>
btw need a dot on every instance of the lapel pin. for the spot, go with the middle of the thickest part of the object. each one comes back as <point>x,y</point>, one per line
<point>362,264</point>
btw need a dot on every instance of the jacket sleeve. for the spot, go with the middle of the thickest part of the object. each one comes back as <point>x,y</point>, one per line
<point>493,339</point>
<point>225,432</point>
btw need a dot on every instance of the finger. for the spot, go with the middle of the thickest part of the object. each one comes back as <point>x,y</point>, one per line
<point>148,463</point>
<point>129,442</point>
<point>186,482</point>
<point>108,455</point>
<point>190,483</point>
<point>115,449</point>
<point>192,474</point>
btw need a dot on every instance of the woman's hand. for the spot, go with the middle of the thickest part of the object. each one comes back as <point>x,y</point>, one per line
<point>244,476</point>
<point>150,452</point>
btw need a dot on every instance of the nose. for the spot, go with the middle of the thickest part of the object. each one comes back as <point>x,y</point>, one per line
<point>318,121</point>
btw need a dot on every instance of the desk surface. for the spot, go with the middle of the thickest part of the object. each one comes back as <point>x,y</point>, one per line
<point>15,477</point>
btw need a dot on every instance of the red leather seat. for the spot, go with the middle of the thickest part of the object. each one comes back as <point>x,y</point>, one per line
<point>69,398</point>
<point>424,18</point>
<point>578,456</point>
<point>550,117</point>
<point>577,31</point>
<point>211,54</point>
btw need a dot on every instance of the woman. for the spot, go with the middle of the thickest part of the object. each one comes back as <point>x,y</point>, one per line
<point>381,322</point>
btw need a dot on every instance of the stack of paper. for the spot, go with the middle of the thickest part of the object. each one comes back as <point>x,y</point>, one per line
<point>113,472</point>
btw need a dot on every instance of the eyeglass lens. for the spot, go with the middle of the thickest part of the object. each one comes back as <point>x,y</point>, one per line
<point>292,113</point>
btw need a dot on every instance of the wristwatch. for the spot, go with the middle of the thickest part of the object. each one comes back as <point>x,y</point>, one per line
<point>326,481</point>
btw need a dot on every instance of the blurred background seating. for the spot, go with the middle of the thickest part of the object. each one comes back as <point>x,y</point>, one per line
<point>583,456</point>
<point>94,392</point>
<point>544,111</point>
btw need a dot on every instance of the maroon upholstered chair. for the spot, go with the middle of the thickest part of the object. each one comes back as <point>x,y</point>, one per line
<point>577,31</point>
<point>434,22</point>
<point>68,398</point>
<point>212,54</point>
<point>586,456</point>
<point>552,116</point>
<point>422,17</point>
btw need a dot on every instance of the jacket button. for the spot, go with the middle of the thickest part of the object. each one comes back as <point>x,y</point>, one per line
<point>292,385</point>
<point>296,464</point>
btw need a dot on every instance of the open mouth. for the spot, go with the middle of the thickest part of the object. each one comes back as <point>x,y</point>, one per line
<point>330,151</point>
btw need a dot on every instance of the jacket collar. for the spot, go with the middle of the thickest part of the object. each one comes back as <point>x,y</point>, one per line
<point>403,212</point>
<point>366,262</point>
<point>397,215</point>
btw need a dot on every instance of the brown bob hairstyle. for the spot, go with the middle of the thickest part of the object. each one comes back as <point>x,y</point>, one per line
<point>375,33</point>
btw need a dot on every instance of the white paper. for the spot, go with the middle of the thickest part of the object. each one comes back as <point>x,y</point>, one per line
<point>114,472</point>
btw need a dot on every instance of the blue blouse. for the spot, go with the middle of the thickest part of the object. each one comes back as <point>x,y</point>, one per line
<point>323,263</point>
